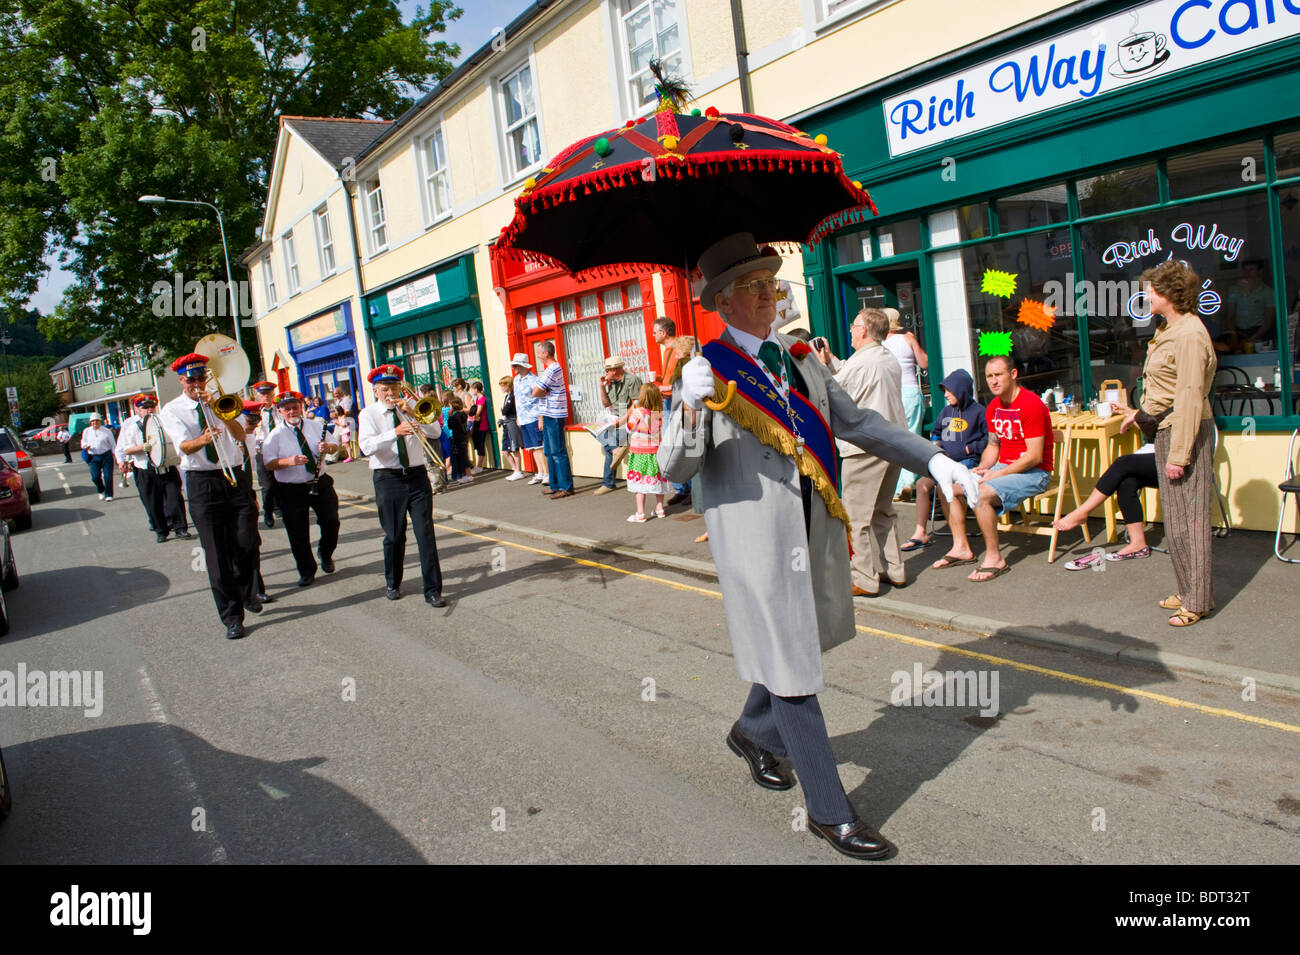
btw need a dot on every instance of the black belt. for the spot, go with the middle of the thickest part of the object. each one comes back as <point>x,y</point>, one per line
<point>402,471</point>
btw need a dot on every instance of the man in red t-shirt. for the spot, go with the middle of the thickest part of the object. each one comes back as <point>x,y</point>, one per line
<point>1016,465</point>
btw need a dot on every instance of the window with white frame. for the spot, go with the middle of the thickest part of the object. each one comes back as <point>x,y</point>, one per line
<point>324,241</point>
<point>437,180</point>
<point>375,218</point>
<point>522,132</point>
<point>291,263</point>
<point>651,30</point>
<point>268,281</point>
<point>832,9</point>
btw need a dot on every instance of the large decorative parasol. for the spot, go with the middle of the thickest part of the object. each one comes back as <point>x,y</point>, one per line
<point>659,191</point>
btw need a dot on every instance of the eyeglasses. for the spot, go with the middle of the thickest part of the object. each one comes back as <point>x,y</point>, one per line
<point>758,286</point>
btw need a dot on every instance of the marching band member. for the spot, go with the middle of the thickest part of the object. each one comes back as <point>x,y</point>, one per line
<point>397,465</point>
<point>252,445</point>
<point>265,480</point>
<point>224,513</point>
<point>295,454</point>
<point>159,486</point>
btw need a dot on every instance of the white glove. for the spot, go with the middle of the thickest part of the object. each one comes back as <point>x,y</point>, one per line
<point>697,381</point>
<point>947,472</point>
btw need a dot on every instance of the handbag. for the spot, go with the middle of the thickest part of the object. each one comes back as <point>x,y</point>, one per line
<point>85,455</point>
<point>1149,424</point>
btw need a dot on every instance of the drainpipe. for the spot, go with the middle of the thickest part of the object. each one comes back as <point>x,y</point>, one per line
<point>742,57</point>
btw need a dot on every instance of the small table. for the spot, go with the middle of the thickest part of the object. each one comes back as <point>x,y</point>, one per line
<point>1086,426</point>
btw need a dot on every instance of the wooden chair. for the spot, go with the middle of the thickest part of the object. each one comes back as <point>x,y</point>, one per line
<point>1063,477</point>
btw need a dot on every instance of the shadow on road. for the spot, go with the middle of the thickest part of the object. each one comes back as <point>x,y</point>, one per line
<point>53,600</point>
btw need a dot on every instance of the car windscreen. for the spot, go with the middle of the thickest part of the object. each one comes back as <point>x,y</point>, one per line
<point>7,443</point>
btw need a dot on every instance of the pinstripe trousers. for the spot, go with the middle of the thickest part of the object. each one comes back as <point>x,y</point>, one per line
<point>1186,503</point>
<point>794,726</point>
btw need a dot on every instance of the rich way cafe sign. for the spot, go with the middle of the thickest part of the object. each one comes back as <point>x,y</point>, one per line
<point>1155,39</point>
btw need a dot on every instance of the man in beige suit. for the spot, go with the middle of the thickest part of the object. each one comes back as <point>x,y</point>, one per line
<point>872,377</point>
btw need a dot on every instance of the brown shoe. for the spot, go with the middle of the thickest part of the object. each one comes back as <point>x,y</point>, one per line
<point>900,584</point>
<point>559,494</point>
<point>859,592</point>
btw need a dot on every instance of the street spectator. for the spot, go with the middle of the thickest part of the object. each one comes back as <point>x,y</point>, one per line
<point>511,442</point>
<point>528,411</point>
<point>665,333</point>
<point>555,411</point>
<point>911,356</point>
<point>444,439</point>
<point>345,433</point>
<point>644,426</point>
<point>1177,381</point>
<point>1125,479</point>
<point>459,422</point>
<point>64,437</point>
<point>479,426</point>
<point>682,347</point>
<point>1016,464</point>
<point>962,434</point>
<point>98,446</point>
<point>870,376</point>
<point>344,400</point>
<point>618,391</point>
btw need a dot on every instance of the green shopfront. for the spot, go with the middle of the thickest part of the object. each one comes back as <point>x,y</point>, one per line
<point>1024,185</point>
<point>429,324</point>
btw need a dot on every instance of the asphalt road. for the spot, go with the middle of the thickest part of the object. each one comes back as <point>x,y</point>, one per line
<point>517,725</point>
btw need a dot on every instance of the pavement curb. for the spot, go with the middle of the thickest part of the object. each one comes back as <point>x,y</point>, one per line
<point>916,613</point>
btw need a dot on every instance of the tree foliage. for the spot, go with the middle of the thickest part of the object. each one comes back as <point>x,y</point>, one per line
<point>102,101</point>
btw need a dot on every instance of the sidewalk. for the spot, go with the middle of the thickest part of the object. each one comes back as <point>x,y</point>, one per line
<point>1111,613</point>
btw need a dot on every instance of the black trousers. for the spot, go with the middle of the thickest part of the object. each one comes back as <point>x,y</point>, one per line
<point>226,519</point>
<point>1125,479</point>
<point>266,481</point>
<point>397,494</point>
<point>296,507</point>
<point>160,493</point>
<point>793,726</point>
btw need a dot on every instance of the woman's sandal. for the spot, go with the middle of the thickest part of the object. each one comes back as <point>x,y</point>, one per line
<point>636,519</point>
<point>1172,602</point>
<point>659,511</point>
<point>1184,618</point>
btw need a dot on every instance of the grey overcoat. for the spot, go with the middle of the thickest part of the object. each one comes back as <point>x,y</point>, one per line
<point>785,592</point>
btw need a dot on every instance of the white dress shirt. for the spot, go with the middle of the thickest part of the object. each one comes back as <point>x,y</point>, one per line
<point>751,344</point>
<point>98,440</point>
<point>377,436</point>
<point>283,443</point>
<point>133,434</point>
<point>128,430</point>
<point>180,419</point>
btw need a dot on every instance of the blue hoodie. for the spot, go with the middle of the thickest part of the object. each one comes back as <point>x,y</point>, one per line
<point>969,437</point>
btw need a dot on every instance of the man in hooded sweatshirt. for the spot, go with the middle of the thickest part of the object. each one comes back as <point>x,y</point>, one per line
<point>962,434</point>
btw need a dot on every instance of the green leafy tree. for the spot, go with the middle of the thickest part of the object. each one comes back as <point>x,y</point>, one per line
<point>102,102</point>
<point>36,397</point>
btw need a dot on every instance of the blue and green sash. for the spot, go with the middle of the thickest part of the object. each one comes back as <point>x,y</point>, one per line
<point>760,409</point>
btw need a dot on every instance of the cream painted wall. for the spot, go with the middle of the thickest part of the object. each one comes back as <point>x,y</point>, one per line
<point>572,80</point>
<point>713,44</point>
<point>471,150</point>
<point>766,22</point>
<point>307,180</point>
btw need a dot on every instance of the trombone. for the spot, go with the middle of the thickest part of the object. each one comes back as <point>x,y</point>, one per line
<point>226,358</point>
<point>426,411</point>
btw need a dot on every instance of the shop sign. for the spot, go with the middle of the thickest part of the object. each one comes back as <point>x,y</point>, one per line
<point>413,295</point>
<point>1154,39</point>
<point>317,329</point>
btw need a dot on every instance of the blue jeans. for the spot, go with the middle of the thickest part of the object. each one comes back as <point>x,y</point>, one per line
<point>611,440</point>
<point>101,472</point>
<point>557,454</point>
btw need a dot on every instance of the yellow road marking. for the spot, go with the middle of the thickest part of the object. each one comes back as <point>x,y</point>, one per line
<point>1169,701</point>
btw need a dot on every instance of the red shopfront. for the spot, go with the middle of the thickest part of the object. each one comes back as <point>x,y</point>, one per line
<point>589,320</point>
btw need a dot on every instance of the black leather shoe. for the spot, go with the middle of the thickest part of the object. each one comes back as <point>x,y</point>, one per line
<point>677,499</point>
<point>253,606</point>
<point>235,631</point>
<point>763,765</point>
<point>435,600</point>
<point>306,579</point>
<point>393,593</point>
<point>268,520</point>
<point>855,839</point>
<point>265,598</point>
<point>160,538</point>
<point>183,536</point>
<point>327,565</point>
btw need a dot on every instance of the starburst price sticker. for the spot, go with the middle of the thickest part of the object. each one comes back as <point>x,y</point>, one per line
<point>995,344</point>
<point>1036,315</point>
<point>999,283</point>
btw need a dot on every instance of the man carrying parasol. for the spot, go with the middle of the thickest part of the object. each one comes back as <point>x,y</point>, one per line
<point>776,524</point>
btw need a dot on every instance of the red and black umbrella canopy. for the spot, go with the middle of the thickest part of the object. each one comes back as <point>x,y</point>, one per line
<point>661,191</point>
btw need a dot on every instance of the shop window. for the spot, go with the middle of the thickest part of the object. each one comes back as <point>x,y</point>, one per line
<point>1118,190</point>
<point>612,299</point>
<point>584,363</point>
<point>650,31</point>
<point>590,305</point>
<point>633,292</point>
<point>1216,170</point>
<point>973,221</point>
<point>626,334</point>
<point>531,320</point>
<point>548,313</point>
<point>1290,351</point>
<point>853,247</point>
<point>1047,355</point>
<point>470,367</point>
<point>899,237</point>
<point>568,310</point>
<point>520,129</point>
<point>1286,153</point>
<point>1226,241</point>
<point>1033,208</point>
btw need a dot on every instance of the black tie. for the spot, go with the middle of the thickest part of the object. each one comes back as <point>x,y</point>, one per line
<point>302,444</point>
<point>401,442</point>
<point>209,450</point>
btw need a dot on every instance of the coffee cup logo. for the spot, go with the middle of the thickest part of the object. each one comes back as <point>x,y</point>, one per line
<point>1140,53</point>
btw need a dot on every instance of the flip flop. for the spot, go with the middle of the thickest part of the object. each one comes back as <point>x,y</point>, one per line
<point>914,543</point>
<point>636,519</point>
<point>944,562</point>
<point>993,573</point>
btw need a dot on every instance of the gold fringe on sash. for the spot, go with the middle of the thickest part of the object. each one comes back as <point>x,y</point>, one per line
<point>742,411</point>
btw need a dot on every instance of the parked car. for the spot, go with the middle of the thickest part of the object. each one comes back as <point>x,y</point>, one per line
<point>8,576</point>
<point>6,800</point>
<point>16,456</point>
<point>15,503</point>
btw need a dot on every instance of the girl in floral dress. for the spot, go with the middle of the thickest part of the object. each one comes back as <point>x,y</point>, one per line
<point>644,423</point>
